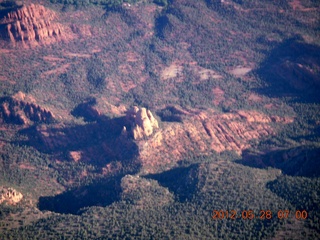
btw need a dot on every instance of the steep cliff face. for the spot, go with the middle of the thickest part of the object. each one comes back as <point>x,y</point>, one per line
<point>142,121</point>
<point>29,23</point>
<point>199,132</point>
<point>202,132</point>
<point>18,111</point>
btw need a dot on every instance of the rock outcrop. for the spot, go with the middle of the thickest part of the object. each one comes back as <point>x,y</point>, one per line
<point>13,110</point>
<point>142,121</point>
<point>10,196</point>
<point>202,132</point>
<point>29,23</point>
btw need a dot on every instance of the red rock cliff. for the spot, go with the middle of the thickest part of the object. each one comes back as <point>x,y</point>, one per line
<point>18,111</point>
<point>30,23</point>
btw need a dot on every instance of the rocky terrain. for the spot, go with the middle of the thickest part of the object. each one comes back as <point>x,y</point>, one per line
<point>29,23</point>
<point>19,110</point>
<point>198,132</point>
<point>142,122</point>
<point>204,131</point>
<point>159,111</point>
<point>10,196</point>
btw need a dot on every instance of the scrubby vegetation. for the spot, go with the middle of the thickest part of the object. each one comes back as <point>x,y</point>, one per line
<point>109,4</point>
<point>220,56</point>
<point>216,186</point>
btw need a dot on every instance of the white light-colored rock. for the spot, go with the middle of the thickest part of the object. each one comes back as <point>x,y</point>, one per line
<point>143,122</point>
<point>10,195</point>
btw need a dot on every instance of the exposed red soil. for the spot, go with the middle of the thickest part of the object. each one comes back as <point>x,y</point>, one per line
<point>218,95</point>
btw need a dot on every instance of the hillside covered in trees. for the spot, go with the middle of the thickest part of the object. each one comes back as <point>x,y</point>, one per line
<point>159,119</point>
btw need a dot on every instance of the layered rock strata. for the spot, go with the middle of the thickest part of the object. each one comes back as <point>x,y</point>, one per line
<point>203,132</point>
<point>29,23</point>
<point>17,111</point>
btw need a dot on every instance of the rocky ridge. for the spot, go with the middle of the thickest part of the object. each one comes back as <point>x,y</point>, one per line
<point>19,110</point>
<point>204,132</point>
<point>30,23</point>
<point>199,131</point>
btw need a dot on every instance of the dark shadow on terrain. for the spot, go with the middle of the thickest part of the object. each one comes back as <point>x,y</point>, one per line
<point>292,69</point>
<point>162,25</point>
<point>86,110</point>
<point>302,193</point>
<point>7,7</point>
<point>170,114</point>
<point>98,142</point>
<point>101,193</point>
<point>300,161</point>
<point>17,112</point>
<point>181,181</point>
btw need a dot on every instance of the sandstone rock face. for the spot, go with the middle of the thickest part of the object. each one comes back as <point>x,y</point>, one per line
<point>18,111</point>
<point>29,23</point>
<point>10,195</point>
<point>202,132</point>
<point>142,121</point>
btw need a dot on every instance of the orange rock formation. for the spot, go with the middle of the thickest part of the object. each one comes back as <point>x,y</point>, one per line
<point>143,122</point>
<point>30,23</point>
<point>10,195</point>
<point>14,110</point>
<point>204,132</point>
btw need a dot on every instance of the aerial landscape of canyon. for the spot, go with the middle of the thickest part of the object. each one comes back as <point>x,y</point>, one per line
<point>159,119</point>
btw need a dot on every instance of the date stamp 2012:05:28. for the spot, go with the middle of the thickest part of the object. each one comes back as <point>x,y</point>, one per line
<point>262,214</point>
